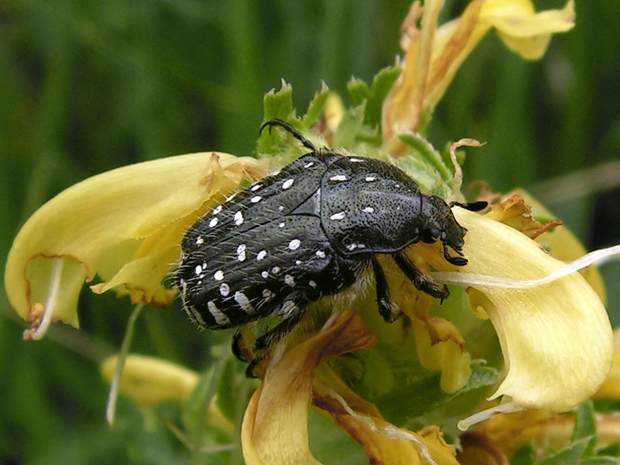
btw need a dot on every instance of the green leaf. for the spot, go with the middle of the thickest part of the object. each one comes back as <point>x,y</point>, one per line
<point>349,127</point>
<point>524,456</point>
<point>227,390</point>
<point>612,450</point>
<point>421,395</point>
<point>428,153</point>
<point>375,95</point>
<point>279,104</point>
<point>316,106</point>
<point>601,460</point>
<point>585,426</point>
<point>571,454</point>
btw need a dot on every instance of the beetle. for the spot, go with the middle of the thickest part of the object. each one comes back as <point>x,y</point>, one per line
<point>311,230</point>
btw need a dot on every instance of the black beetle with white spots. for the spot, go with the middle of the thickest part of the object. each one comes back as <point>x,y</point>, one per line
<point>311,230</point>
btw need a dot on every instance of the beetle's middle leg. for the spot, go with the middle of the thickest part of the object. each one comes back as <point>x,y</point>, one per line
<point>420,280</point>
<point>386,307</point>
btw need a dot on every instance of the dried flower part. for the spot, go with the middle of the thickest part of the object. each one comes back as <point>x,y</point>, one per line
<point>275,425</point>
<point>124,225</point>
<point>433,55</point>
<point>556,338</point>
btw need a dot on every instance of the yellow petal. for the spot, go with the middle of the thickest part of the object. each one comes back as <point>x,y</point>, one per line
<point>149,380</point>
<point>275,425</point>
<point>611,387</point>
<point>522,29</point>
<point>124,225</point>
<point>556,339</point>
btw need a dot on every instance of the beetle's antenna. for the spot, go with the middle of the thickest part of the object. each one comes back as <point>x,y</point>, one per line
<point>471,206</point>
<point>298,135</point>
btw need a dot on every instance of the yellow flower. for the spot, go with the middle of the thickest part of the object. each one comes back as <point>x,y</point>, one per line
<point>125,226</point>
<point>275,429</point>
<point>556,338</point>
<point>433,55</point>
<point>149,380</point>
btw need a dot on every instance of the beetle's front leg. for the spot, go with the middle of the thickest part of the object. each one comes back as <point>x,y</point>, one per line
<point>420,280</point>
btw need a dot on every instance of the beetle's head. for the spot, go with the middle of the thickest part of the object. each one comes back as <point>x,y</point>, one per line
<point>441,225</point>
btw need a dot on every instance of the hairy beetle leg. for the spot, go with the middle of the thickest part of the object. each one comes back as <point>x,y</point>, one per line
<point>386,308</point>
<point>293,311</point>
<point>419,279</point>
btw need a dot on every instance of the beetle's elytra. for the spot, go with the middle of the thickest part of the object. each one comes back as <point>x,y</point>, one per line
<point>311,230</point>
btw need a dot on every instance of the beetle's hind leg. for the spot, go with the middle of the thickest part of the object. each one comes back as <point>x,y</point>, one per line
<point>386,307</point>
<point>291,311</point>
<point>419,279</point>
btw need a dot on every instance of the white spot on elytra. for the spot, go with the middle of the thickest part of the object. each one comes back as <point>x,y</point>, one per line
<point>256,199</point>
<point>281,225</point>
<point>217,209</point>
<point>356,160</point>
<point>224,289</point>
<point>238,218</point>
<point>198,270</point>
<point>241,252</point>
<point>352,247</point>
<point>264,274</point>
<point>268,295</point>
<point>199,241</point>
<point>320,254</point>
<point>289,280</point>
<point>219,275</point>
<point>243,302</point>
<point>368,210</point>
<point>309,164</point>
<point>338,177</point>
<point>297,262</point>
<point>312,284</point>
<point>281,208</point>
<point>220,318</point>
<point>294,244</point>
<point>213,222</point>
<point>275,270</point>
<point>338,216</point>
<point>262,254</point>
<point>370,178</point>
<point>256,187</point>
<point>288,183</point>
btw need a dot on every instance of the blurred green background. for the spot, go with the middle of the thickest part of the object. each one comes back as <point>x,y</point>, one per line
<point>86,86</point>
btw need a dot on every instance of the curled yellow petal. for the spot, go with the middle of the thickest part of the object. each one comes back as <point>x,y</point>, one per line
<point>124,225</point>
<point>275,425</point>
<point>556,338</point>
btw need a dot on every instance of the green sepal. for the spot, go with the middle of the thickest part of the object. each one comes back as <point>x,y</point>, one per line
<point>585,426</point>
<point>227,390</point>
<point>428,153</point>
<point>349,127</point>
<point>525,455</point>
<point>316,106</point>
<point>375,95</point>
<point>571,454</point>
